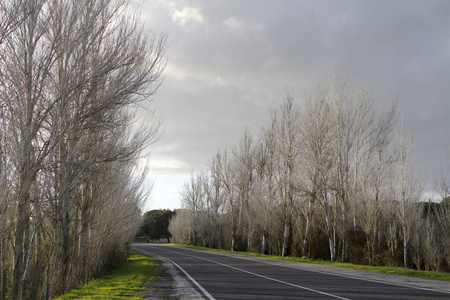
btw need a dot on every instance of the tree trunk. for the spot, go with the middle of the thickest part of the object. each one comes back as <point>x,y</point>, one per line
<point>3,270</point>
<point>4,283</point>
<point>25,168</point>
<point>84,238</point>
<point>331,231</point>
<point>233,229</point>
<point>287,229</point>
<point>308,229</point>
<point>265,243</point>
<point>405,238</point>
<point>23,210</point>
<point>63,242</point>
<point>344,232</point>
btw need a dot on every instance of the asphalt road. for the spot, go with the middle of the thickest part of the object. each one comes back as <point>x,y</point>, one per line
<point>218,276</point>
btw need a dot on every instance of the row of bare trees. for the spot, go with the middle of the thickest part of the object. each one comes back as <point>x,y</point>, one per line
<point>334,181</point>
<point>74,77</point>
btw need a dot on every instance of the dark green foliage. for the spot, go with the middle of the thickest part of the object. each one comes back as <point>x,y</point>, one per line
<point>319,245</point>
<point>357,247</point>
<point>429,208</point>
<point>155,224</point>
<point>116,257</point>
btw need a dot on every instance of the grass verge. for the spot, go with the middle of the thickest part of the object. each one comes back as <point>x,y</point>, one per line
<point>386,270</point>
<point>126,282</point>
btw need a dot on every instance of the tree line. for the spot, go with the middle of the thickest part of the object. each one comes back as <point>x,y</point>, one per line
<point>335,180</point>
<point>75,76</point>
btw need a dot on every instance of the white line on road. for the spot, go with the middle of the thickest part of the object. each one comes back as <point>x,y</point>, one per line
<point>262,276</point>
<point>205,292</point>
<point>444,291</point>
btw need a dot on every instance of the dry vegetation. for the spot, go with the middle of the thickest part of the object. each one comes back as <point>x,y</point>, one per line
<point>335,181</point>
<point>74,77</point>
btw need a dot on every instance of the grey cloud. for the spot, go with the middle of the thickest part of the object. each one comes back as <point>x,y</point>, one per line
<point>230,70</point>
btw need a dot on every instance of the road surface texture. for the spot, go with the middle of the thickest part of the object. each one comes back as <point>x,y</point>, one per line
<point>196,274</point>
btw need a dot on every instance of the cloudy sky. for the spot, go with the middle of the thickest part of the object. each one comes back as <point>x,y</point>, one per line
<point>231,62</point>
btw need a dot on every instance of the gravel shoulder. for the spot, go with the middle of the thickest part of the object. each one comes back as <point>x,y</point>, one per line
<point>170,284</point>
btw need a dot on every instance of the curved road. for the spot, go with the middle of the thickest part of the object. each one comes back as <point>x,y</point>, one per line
<point>224,276</point>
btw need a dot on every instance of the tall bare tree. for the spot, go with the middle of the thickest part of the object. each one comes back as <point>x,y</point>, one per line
<point>316,163</point>
<point>71,74</point>
<point>407,190</point>
<point>192,199</point>
<point>266,158</point>
<point>287,147</point>
<point>243,157</point>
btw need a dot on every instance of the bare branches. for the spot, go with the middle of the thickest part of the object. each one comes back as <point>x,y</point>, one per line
<point>74,77</point>
<point>332,175</point>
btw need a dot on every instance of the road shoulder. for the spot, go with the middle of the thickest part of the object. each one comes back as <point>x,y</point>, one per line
<point>170,283</point>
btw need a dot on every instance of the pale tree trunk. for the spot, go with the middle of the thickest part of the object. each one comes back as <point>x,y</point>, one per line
<point>265,243</point>
<point>309,216</point>
<point>344,234</point>
<point>233,230</point>
<point>286,234</point>
<point>287,146</point>
<point>330,228</point>
<point>409,188</point>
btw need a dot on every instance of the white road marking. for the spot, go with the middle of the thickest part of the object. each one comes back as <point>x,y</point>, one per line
<point>338,275</point>
<point>262,276</point>
<point>205,292</point>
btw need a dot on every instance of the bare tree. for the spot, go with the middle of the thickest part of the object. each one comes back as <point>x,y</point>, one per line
<point>191,197</point>
<point>179,226</point>
<point>333,170</point>
<point>266,164</point>
<point>343,118</point>
<point>216,195</point>
<point>407,190</point>
<point>70,72</point>
<point>287,147</point>
<point>313,172</point>
<point>228,182</point>
<point>243,158</point>
<point>374,159</point>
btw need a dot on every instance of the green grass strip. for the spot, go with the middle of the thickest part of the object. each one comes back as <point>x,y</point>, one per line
<point>386,270</point>
<point>126,282</point>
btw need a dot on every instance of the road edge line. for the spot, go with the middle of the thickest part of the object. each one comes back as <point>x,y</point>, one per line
<point>202,289</point>
<point>382,281</point>
<point>272,279</point>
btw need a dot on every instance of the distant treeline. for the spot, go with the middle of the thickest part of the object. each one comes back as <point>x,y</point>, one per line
<point>333,181</point>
